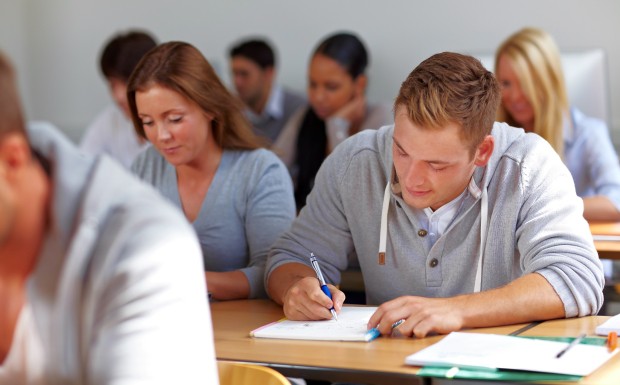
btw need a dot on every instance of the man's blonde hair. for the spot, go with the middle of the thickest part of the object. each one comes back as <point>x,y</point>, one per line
<point>451,88</point>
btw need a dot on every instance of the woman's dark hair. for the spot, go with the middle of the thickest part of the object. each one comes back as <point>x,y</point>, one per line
<point>349,52</point>
<point>346,49</point>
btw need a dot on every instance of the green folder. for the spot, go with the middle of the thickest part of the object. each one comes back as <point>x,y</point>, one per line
<point>468,373</point>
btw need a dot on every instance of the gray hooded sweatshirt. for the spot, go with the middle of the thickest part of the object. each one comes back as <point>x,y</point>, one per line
<point>534,224</point>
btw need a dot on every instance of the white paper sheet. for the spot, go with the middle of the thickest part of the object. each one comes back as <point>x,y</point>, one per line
<point>611,325</point>
<point>351,326</point>
<point>508,352</point>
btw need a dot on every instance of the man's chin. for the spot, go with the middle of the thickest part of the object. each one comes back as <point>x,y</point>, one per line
<point>416,203</point>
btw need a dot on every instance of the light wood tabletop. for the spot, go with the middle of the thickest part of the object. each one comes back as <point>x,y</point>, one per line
<point>606,239</point>
<point>378,362</point>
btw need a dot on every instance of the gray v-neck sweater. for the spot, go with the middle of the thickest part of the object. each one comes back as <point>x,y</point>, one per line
<point>248,206</point>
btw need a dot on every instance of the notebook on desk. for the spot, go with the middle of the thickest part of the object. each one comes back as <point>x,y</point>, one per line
<point>351,326</point>
<point>611,325</point>
<point>495,352</point>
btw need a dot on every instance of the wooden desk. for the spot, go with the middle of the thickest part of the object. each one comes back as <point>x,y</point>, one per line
<point>378,362</point>
<point>607,249</point>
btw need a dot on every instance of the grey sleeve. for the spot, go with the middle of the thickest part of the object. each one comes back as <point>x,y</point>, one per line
<point>554,239</point>
<point>270,212</point>
<point>321,227</point>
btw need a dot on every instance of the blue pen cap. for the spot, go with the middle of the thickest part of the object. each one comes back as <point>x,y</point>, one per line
<point>372,334</point>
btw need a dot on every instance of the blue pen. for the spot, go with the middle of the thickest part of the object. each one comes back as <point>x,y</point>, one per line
<point>324,288</point>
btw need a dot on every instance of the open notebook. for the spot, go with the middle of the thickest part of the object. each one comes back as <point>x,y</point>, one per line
<point>351,326</point>
<point>493,352</point>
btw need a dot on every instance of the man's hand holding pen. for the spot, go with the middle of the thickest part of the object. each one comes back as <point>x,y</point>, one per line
<point>306,301</point>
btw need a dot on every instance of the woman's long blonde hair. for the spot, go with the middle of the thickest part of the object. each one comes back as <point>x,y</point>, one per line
<point>535,57</point>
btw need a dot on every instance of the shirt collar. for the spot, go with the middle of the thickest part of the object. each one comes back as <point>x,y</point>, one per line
<point>274,107</point>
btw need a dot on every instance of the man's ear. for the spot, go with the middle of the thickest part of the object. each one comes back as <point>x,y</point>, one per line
<point>484,151</point>
<point>270,74</point>
<point>14,150</point>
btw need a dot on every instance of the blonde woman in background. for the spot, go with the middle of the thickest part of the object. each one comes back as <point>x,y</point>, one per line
<point>534,97</point>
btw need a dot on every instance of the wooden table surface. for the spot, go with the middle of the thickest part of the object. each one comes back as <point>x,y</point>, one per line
<point>607,249</point>
<point>378,362</point>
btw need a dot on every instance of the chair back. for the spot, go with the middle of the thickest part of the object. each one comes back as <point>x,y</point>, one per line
<point>236,373</point>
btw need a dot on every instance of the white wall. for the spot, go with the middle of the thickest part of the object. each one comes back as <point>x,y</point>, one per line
<point>56,43</point>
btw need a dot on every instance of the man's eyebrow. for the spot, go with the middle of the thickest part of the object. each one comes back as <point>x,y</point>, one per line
<point>437,162</point>
<point>398,144</point>
<point>441,162</point>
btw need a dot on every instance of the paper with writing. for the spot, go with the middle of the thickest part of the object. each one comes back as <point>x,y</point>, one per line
<point>351,326</point>
<point>508,352</point>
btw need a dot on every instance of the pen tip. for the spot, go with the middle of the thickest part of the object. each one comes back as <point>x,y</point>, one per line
<point>334,315</point>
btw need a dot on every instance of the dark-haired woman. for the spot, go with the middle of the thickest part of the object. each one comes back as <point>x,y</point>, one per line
<point>337,109</point>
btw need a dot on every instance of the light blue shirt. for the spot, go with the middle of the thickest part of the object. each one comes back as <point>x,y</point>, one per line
<point>591,158</point>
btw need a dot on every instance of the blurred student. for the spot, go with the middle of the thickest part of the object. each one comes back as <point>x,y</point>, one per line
<point>111,132</point>
<point>206,160</point>
<point>338,109</point>
<point>534,97</point>
<point>268,105</point>
<point>88,289</point>
<point>457,221</point>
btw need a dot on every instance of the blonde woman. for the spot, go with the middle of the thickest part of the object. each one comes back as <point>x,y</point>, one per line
<point>534,97</point>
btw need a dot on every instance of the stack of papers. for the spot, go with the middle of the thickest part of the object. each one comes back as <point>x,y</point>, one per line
<point>611,325</point>
<point>492,352</point>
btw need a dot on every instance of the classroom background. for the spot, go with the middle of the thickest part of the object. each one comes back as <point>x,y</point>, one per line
<point>56,43</point>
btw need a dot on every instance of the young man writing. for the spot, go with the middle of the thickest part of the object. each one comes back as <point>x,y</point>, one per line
<point>456,221</point>
<point>100,280</point>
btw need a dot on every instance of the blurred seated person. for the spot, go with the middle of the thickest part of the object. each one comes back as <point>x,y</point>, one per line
<point>534,97</point>
<point>268,105</point>
<point>112,132</point>
<point>207,161</point>
<point>89,293</point>
<point>337,109</point>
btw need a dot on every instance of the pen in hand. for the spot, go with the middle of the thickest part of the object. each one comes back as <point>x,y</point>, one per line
<point>324,288</point>
<point>574,342</point>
